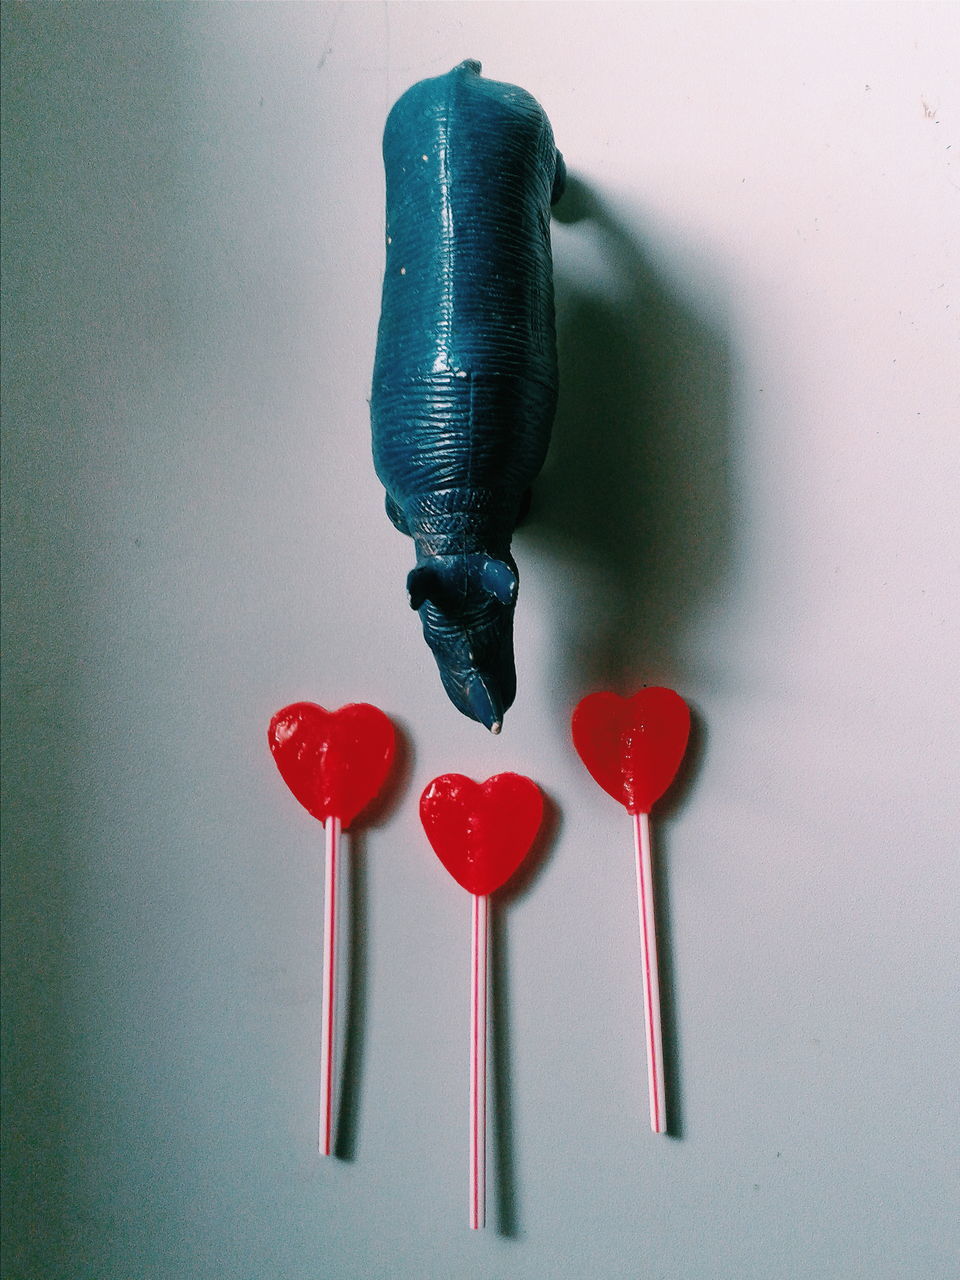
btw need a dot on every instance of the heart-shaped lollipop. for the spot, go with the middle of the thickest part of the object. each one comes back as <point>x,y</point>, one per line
<point>632,746</point>
<point>334,762</point>
<point>481,832</point>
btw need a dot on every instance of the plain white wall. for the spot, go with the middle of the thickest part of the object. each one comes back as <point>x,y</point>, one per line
<point>751,497</point>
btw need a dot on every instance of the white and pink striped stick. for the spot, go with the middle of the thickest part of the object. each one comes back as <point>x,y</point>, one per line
<point>650,972</point>
<point>478,1060</point>
<point>331,831</point>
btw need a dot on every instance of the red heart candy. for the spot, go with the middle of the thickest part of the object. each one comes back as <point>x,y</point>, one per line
<point>334,762</point>
<point>481,832</point>
<point>632,746</point>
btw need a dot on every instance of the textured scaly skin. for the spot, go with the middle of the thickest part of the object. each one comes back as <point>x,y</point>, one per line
<point>465,379</point>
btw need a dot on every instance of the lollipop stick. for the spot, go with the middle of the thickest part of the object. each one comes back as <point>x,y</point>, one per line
<point>651,981</point>
<point>331,830</point>
<point>478,1061</point>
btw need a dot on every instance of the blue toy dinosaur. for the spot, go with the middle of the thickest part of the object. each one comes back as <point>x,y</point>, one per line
<point>465,379</point>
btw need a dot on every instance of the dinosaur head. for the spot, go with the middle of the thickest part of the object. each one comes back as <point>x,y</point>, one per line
<point>466,605</point>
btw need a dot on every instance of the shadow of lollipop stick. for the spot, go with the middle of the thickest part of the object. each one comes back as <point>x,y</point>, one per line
<point>355,997</point>
<point>500,1061</point>
<point>500,1036</point>
<point>354,921</point>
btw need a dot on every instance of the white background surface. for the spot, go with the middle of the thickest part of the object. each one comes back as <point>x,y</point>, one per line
<point>752,497</point>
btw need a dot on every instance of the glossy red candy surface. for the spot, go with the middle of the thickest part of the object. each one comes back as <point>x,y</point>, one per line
<point>481,832</point>
<point>334,762</point>
<point>632,746</point>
